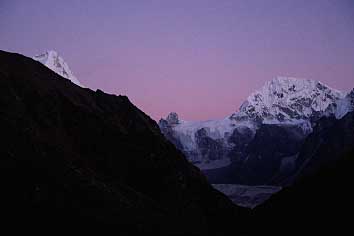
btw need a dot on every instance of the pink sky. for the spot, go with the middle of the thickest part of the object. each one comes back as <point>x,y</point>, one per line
<point>198,58</point>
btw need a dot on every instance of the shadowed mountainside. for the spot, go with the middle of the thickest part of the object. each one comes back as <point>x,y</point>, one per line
<point>73,157</point>
<point>321,197</point>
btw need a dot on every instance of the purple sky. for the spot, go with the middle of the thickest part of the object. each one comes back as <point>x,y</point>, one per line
<point>198,58</point>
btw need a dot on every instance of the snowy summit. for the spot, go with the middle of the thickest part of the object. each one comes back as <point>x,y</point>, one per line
<point>290,104</point>
<point>56,63</point>
<point>286,98</point>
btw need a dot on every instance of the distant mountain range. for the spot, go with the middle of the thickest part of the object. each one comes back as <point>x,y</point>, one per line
<point>257,150</point>
<point>260,144</point>
<point>76,159</point>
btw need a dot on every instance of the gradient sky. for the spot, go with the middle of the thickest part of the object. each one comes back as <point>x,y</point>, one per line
<point>198,58</point>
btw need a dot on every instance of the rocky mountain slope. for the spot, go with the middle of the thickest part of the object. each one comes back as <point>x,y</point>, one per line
<point>321,198</point>
<point>71,158</point>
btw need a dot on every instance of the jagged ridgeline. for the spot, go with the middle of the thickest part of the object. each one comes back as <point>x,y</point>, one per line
<point>73,157</point>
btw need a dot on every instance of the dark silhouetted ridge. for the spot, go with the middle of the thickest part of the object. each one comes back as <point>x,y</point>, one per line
<point>73,157</point>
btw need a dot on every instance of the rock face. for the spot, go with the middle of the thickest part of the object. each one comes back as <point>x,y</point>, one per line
<point>56,63</point>
<point>73,157</point>
<point>172,119</point>
<point>268,158</point>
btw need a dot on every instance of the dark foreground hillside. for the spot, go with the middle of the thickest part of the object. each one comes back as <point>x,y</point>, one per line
<point>75,158</point>
<point>321,198</point>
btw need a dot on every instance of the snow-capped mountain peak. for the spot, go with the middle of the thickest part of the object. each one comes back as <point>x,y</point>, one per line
<point>289,106</point>
<point>286,98</point>
<point>56,63</point>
